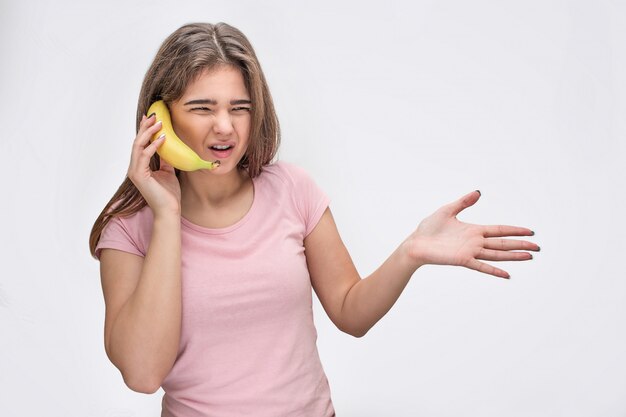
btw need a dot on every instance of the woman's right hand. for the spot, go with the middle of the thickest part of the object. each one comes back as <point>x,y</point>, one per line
<point>161,188</point>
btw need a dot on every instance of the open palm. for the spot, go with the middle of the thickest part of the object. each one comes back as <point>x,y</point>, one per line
<point>442,239</point>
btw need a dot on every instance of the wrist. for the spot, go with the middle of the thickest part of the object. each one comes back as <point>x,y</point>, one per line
<point>170,215</point>
<point>410,254</point>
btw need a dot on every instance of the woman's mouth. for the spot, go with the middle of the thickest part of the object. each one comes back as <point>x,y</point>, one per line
<point>221,151</point>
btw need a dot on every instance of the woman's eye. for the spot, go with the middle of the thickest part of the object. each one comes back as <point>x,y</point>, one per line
<point>201,108</point>
<point>241,109</point>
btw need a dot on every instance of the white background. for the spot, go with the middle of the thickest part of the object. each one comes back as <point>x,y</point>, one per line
<point>395,108</point>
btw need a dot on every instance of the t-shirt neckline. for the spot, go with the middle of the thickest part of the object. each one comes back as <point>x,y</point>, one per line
<point>232,227</point>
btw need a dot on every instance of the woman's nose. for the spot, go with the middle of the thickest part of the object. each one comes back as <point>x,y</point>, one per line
<point>223,123</point>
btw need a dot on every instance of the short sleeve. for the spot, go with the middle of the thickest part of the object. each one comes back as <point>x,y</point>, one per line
<point>308,197</point>
<point>119,234</point>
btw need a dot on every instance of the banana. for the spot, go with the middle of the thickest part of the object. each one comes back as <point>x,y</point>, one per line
<point>174,151</point>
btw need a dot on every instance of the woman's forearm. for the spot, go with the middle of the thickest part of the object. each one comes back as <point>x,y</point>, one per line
<point>145,336</point>
<point>372,297</point>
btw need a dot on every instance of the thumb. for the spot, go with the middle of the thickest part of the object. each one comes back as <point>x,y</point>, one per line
<point>464,202</point>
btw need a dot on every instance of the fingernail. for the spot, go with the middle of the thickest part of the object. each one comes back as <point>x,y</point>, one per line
<point>538,248</point>
<point>532,233</point>
<point>161,137</point>
<point>152,114</point>
<point>478,191</point>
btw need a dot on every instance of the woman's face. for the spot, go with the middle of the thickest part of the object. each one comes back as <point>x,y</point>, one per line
<point>213,116</point>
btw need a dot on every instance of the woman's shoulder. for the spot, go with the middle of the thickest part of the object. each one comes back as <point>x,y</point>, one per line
<point>286,172</point>
<point>128,233</point>
<point>300,192</point>
<point>141,219</point>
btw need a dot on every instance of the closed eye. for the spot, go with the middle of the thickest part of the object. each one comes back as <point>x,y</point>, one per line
<point>201,108</point>
<point>241,109</point>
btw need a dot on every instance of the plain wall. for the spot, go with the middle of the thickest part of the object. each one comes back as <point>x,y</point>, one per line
<point>395,108</point>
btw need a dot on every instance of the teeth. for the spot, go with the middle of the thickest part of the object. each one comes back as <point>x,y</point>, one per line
<point>220,147</point>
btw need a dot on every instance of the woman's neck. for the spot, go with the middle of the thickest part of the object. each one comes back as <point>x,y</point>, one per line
<point>204,190</point>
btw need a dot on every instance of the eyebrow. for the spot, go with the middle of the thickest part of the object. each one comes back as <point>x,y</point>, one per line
<point>214,102</point>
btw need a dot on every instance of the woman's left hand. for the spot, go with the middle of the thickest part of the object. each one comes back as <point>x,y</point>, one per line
<point>441,239</point>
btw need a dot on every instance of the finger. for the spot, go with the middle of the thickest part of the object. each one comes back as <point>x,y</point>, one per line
<point>143,137</point>
<point>487,269</point>
<point>501,230</point>
<point>462,203</point>
<point>510,244</point>
<point>137,156</point>
<point>146,122</point>
<point>498,255</point>
<point>146,154</point>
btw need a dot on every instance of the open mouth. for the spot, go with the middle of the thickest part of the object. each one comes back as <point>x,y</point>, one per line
<point>221,151</point>
<point>221,147</point>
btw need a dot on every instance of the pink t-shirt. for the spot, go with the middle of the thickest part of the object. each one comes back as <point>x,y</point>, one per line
<point>248,342</point>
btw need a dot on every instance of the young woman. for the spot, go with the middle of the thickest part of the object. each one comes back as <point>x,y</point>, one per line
<point>207,275</point>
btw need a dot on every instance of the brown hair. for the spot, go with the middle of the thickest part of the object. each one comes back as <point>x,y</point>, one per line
<point>183,56</point>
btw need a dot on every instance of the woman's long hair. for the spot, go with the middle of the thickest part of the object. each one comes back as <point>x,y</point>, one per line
<point>183,56</point>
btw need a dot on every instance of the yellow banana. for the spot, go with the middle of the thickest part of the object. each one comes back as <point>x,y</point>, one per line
<point>174,151</point>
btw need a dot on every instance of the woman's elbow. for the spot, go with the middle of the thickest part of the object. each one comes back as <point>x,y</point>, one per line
<point>359,334</point>
<point>136,380</point>
<point>142,385</point>
<point>355,332</point>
